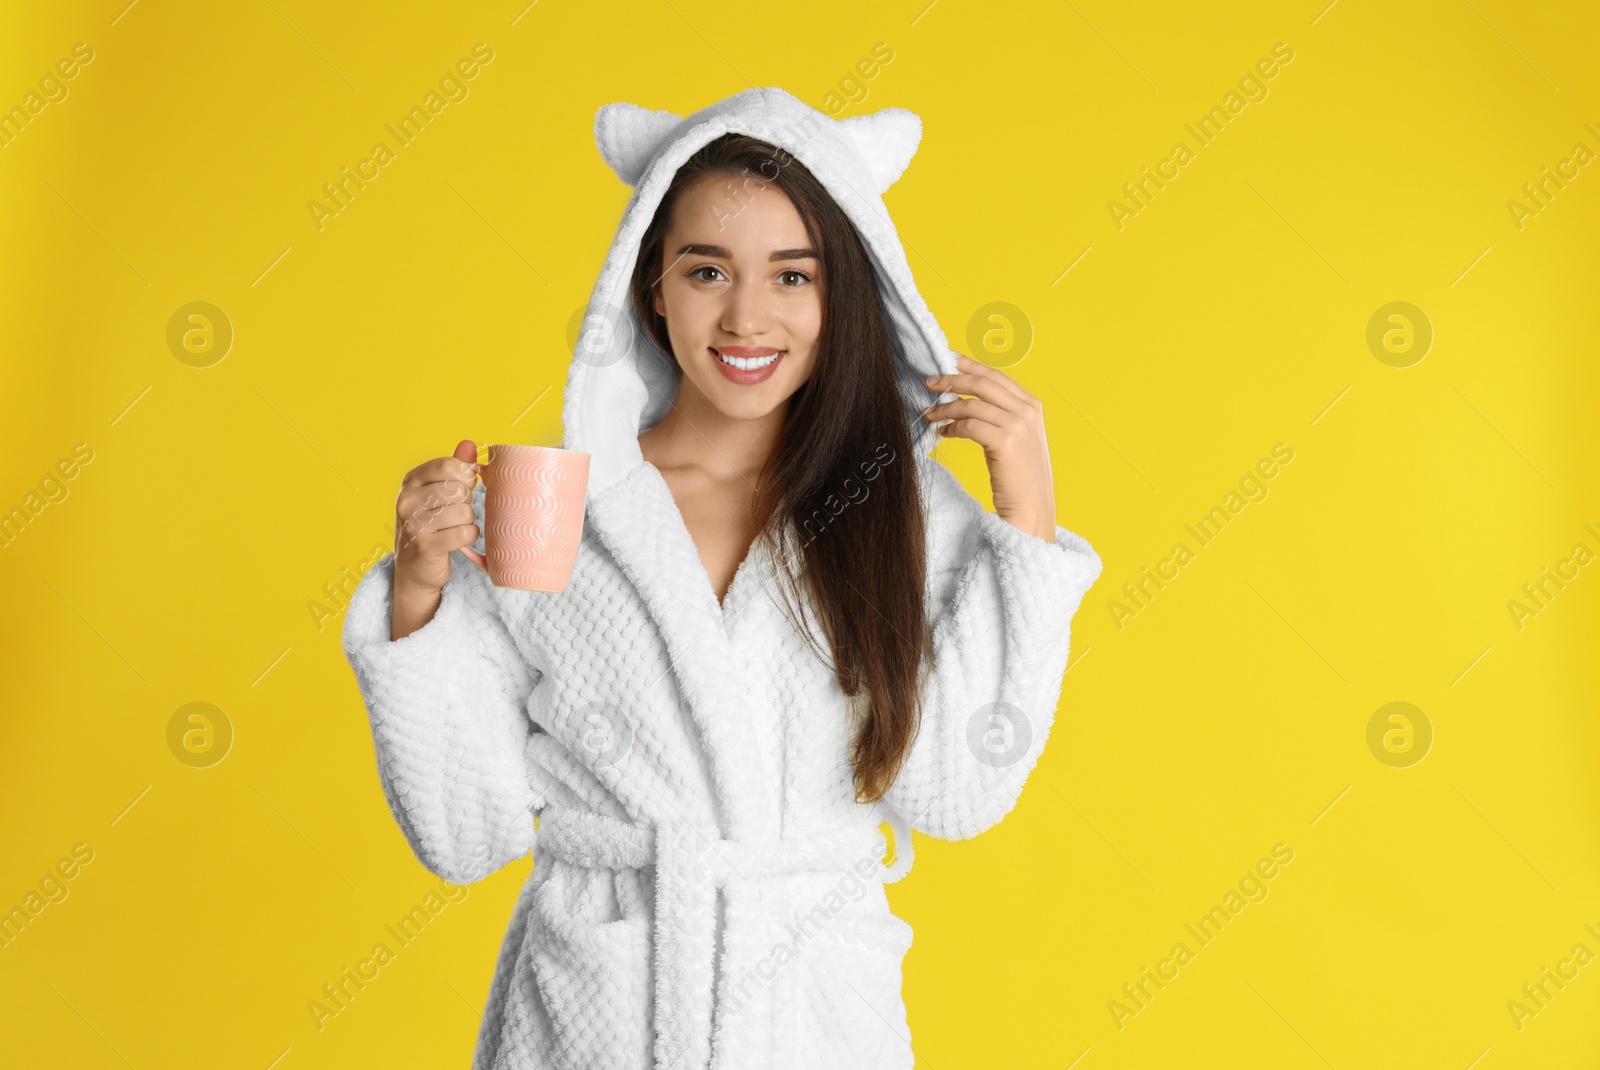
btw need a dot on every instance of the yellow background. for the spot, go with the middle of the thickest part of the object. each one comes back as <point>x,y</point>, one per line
<point>1228,716</point>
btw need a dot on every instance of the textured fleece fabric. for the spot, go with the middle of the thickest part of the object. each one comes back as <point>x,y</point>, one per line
<point>706,892</point>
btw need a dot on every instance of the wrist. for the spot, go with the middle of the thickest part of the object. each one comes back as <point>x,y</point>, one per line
<point>413,576</point>
<point>1038,526</point>
<point>411,606</point>
<point>405,587</point>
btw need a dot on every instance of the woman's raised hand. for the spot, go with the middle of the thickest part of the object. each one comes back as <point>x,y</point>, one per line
<point>1008,422</point>
<point>433,516</point>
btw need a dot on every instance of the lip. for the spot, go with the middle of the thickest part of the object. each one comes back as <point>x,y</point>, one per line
<point>746,378</point>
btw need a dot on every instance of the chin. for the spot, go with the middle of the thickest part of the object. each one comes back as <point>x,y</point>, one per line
<point>745,403</point>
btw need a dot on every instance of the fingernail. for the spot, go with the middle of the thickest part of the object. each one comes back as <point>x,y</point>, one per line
<point>932,379</point>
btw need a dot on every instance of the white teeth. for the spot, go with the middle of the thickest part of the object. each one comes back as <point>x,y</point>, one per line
<point>746,364</point>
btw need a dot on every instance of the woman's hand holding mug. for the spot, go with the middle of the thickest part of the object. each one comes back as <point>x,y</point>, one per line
<point>532,515</point>
<point>433,516</point>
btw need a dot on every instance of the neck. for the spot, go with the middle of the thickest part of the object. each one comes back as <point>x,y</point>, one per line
<point>695,435</point>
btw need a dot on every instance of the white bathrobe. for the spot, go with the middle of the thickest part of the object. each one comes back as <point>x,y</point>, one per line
<point>705,890</point>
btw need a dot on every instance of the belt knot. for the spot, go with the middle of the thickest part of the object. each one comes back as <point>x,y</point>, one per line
<point>690,864</point>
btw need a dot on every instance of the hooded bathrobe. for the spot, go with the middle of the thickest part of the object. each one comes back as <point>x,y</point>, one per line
<point>706,891</point>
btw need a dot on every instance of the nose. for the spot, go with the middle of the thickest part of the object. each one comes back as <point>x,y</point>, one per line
<point>745,313</point>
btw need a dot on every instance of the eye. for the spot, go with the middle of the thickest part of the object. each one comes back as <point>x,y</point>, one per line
<point>798,272</point>
<point>695,272</point>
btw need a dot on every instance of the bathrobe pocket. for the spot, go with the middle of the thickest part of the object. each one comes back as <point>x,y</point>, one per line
<point>853,1011</point>
<point>590,961</point>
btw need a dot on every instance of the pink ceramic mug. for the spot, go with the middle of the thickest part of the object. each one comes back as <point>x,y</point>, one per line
<point>532,516</point>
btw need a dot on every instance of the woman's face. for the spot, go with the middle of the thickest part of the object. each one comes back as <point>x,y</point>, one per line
<point>740,280</point>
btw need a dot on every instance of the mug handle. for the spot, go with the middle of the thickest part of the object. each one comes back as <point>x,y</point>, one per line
<point>472,555</point>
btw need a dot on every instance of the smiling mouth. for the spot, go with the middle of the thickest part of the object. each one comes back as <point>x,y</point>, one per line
<point>747,358</point>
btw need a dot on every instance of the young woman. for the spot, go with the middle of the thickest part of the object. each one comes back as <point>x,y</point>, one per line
<point>787,623</point>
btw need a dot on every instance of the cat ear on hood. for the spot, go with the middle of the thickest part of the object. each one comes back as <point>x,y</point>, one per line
<point>629,135</point>
<point>886,140</point>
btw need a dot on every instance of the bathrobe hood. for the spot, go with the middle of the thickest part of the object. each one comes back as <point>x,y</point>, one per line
<point>620,383</point>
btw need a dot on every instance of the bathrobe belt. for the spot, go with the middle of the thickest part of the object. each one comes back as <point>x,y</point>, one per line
<point>690,866</point>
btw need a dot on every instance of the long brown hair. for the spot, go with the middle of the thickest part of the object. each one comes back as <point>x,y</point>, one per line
<point>837,503</point>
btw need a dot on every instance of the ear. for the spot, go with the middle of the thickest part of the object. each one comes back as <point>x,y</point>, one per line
<point>886,139</point>
<point>628,137</point>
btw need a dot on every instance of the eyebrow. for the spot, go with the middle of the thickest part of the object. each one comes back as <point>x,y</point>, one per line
<point>719,251</point>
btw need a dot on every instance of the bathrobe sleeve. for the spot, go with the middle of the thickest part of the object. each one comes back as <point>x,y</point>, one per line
<point>1002,602</point>
<point>448,709</point>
